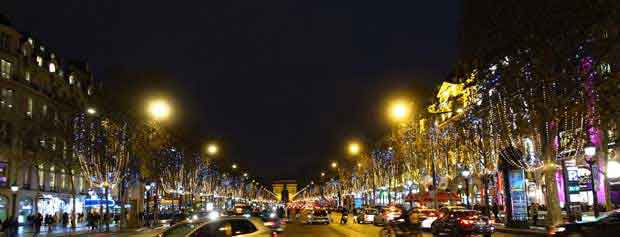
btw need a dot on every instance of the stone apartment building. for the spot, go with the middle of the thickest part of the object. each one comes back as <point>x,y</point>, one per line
<point>39,94</point>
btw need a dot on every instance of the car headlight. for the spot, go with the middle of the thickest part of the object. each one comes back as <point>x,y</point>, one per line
<point>195,217</point>
<point>246,215</point>
<point>213,215</point>
<point>560,229</point>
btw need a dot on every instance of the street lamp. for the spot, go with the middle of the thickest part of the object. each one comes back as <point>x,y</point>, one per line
<point>399,110</point>
<point>91,111</point>
<point>14,189</point>
<point>234,166</point>
<point>354,148</point>
<point>212,149</point>
<point>159,109</point>
<point>590,158</point>
<point>245,174</point>
<point>466,174</point>
<point>334,165</point>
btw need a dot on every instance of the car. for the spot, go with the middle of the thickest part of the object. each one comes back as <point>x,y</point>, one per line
<point>222,227</point>
<point>367,215</point>
<point>459,222</point>
<point>268,214</point>
<point>314,215</point>
<point>240,210</point>
<point>387,214</point>
<point>427,215</point>
<point>606,225</point>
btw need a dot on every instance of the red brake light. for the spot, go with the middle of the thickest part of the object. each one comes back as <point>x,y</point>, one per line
<point>466,222</point>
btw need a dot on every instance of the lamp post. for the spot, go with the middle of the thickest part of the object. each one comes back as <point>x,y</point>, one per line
<point>590,152</point>
<point>148,197</point>
<point>466,174</point>
<point>14,190</point>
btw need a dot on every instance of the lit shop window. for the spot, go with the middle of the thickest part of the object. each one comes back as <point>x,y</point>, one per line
<point>41,174</point>
<point>44,110</point>
<point>27,76</point>
<point>52,67</point>
<point>63,177</point>
<point>6,98</point>
<point>39,61</point>
<point>71,79</point>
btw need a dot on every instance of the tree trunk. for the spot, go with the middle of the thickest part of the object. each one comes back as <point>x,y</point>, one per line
<point>605,159</point>
<point>74,192</point>
<point>554,213</point>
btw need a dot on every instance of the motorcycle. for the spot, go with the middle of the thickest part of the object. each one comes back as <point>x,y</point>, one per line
<point>344,219</point>
<point>397,228</point>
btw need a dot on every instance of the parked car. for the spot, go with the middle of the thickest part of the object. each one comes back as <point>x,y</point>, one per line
<point>224,227</point>
<point>387,214</point>
<point>367,215</point>
<point>606,225</point>
<point>460,222</point>
<point>315,215</point>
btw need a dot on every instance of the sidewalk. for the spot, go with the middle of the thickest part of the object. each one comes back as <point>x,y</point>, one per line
<point>533,230</point>
<point>61,231</point>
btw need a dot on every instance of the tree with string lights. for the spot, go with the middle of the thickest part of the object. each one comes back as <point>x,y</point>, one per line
<point>102,148</point>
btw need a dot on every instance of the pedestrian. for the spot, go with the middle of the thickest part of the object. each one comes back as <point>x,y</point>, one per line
<point>49,221</point>
<point>534,210</point>
<point>495,210</point>
<point>9,227</point>
<point>37,220</point>
<point>65,220</point>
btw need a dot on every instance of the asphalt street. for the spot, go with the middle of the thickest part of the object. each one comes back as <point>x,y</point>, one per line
<point>295,229</point>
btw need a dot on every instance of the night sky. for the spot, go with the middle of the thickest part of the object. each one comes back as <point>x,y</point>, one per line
<point>281,84</point>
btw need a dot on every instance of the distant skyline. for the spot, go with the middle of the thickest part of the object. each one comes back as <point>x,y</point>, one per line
<point>281,84</point>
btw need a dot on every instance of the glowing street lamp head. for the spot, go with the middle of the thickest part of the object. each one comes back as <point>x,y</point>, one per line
<point>212,149</point>
<point>354,148</point>
<point>159,109</point>
<point>234,166</point>
<point>334,165</point>
<point>91,111</point>
<point>245,174</point>
<point>322,174</point>
<point>399,110</point>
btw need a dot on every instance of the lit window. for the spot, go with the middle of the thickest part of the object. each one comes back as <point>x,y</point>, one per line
<point>27,76</point>
<point>44,110</point>
<point>53,143</point>
<point>5,69</point>
<point>71,78</point>
<point>39,61</point>
<point>90,91</point>
<point>30,107</point>
<point>52,67</point>
<point>63,177</point>
<point>80,183</point>
<point>41,175</point>
<point>52,178</point>
<point>7,98</point>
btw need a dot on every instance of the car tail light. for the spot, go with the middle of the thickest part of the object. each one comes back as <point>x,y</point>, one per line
<point>466,222</point>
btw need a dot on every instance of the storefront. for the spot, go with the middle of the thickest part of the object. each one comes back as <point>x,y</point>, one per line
<point>25,208</point>
<point>4,205</point>
<point>48,204</point>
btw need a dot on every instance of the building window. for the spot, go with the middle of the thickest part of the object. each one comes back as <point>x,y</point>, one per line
<point>4,41</point>
<point>41,176</point>
<point>63,179</point>
<point>39,61</point>
<point>71,78</point>
<point>26,180</point>
<point>4,174</point>
<point>5,69</point>
<point>53,143</point>
<point>52,179</point>
<point>52,67</point>
<point>27,76</point>
<point>44,111</point>
<point>6,98</point>
<point>30,108</point>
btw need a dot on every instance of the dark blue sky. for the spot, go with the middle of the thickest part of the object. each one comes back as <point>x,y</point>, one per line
<point>281,83</point>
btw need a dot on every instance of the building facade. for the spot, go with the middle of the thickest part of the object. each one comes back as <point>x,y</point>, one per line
<point>39,95</point>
